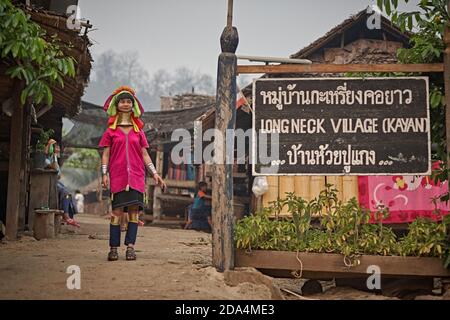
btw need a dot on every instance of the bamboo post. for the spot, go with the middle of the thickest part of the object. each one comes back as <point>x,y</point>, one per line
<point>156,200</point>
<point>317,184</point>
<point>302,186</point>
<point>349,188</point>
<point>272,193</point>
<point>222,202</point>
<point>15,160</point>
<point>336,181</point>
<point>287,184</point>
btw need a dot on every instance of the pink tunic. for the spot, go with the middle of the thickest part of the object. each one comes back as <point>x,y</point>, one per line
<point>126,164</point>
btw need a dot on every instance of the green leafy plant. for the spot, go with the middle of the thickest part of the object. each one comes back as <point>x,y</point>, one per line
<point>81,158</point>
<point>32,55</point>
<point>43,139</point>
<point>342,228</point>
<point>426,46</point>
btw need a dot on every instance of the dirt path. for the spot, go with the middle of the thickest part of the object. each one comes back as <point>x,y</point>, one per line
<point>172,264</point>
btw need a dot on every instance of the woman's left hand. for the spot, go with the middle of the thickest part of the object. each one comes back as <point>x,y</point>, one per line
<point>160,182</point>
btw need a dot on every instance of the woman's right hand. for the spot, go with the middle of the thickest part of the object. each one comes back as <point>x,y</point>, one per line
<point>105,181</point>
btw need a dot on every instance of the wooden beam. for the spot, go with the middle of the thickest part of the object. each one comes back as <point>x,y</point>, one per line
<point>156,200</point>
<point>43,110</point>
<point>334,263</point>
<point>15,161</point>
<point>182,184</point>
<point>339,68</point>
<point>174,197</point>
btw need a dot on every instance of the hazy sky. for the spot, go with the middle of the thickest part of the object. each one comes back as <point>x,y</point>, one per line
<point>172,33</point>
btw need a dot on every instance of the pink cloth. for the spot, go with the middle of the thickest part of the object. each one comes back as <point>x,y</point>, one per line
<point>407,197</point>
<point>125,170</point>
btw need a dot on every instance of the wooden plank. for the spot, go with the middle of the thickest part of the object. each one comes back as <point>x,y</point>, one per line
<point>334,263</point>
<point>40,186</point>
<point>349,187</point>
<point>182,184</point>
<point>337,182</point>
<point>317,184</point>
<point>241,200</point>
<point>15,160</point>
<point>339,68</point>
<point>172,197</point>
<point>272,193</point>
<point>302,184</point>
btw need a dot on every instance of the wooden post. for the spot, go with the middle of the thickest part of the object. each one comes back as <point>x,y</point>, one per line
<point>222,202</point>
<point>273,193</point>
<point>156,200</point>
<point>447,85</point>
<point>25,169</point>
<point>15,160</point>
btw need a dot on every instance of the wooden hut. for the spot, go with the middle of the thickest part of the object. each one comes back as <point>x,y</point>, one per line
<point>21,188</point>
<point>351,42</point>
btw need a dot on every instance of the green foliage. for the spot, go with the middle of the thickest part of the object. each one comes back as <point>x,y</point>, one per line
<point>43,139</point>
<point>82,159</point>
<point>34,57</point>
<point>424,238</point>
<point>342,228</point>
<point>427,46</point>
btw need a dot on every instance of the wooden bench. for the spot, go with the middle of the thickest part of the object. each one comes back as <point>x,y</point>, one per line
<point>47,223</point>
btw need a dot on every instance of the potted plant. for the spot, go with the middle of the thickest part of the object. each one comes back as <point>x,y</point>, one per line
<point>39,153</point>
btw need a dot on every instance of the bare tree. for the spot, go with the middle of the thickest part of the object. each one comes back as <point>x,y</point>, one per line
<point>113,69</point>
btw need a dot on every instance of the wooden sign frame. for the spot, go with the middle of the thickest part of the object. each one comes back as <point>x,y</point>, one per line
<point>356,173</point>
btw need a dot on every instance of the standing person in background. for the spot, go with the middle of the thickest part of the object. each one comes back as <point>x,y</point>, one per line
<point>79,201</point>
<point>125,155</point>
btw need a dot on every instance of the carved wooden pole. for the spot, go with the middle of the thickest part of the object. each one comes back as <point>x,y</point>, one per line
<point>222,202</point>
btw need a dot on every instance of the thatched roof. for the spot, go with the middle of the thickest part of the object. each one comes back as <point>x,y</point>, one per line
<point>90,124</point>
<point>342,36</point>
<point>353,28</point>
<point>75,45</point>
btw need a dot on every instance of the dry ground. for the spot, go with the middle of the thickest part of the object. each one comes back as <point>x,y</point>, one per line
<point>172,264</point>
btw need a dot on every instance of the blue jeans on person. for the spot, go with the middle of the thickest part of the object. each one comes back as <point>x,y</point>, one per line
<point>68,206</point>
<point>199,218</point>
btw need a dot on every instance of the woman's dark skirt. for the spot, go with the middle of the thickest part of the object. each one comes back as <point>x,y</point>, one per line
<point>124,199</point>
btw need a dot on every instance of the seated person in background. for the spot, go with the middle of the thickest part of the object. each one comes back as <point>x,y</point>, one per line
<point>66,203</point>
<point>52,153</point>
<point>199,217</point>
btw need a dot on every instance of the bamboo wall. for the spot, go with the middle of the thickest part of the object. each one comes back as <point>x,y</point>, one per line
<point>309,187</point>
